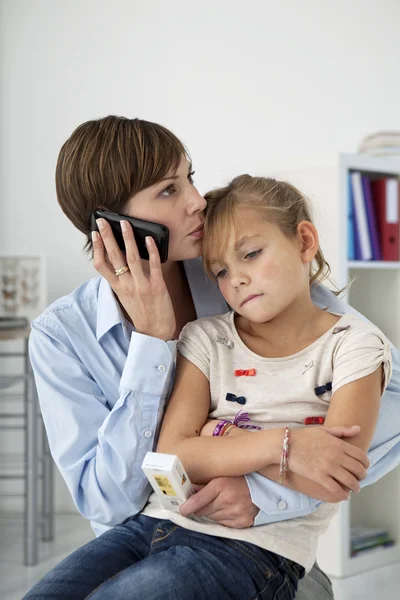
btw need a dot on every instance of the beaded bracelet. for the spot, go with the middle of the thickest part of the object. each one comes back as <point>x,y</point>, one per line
<point>283,467</point>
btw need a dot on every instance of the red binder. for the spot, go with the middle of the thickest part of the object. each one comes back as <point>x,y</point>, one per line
<point>386,199</point>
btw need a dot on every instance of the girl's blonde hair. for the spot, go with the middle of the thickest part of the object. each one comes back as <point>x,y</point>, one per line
<point>275,201</point>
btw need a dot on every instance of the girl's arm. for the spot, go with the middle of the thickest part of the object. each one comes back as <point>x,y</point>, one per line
<point>205,458</point>
<point>357,402</point>
<point>316,453</point>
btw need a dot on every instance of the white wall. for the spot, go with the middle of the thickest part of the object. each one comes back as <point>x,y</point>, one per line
<point>242,84</point>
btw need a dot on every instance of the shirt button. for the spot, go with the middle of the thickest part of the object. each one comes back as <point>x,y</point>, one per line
<point>282,505</point>
<point>161,368</point>
<point>147,434</point>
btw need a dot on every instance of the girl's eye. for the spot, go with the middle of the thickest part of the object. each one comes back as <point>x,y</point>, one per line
<point>253,254</point>
<point>221,274</point>
<point>168,191</point>
<point>191,177</point>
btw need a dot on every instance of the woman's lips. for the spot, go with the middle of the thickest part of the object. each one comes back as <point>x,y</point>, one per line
<point>197,233</point>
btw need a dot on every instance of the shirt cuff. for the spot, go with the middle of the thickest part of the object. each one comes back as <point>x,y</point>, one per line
<point>149,364</point>
<point>383,459</point>
<point>276,502</point>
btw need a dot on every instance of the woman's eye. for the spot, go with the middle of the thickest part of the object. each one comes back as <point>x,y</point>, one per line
<point>191,177</point>
<point>168,191</point>
<point>253,254</point>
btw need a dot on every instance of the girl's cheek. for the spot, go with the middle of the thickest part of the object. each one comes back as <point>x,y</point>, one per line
<point>223,288</point>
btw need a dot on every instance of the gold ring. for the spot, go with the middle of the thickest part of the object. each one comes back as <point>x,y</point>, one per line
<point>121,270</point>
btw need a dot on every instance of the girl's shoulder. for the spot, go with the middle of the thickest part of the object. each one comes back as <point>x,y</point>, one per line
<point>354,338</point>
<point>356,326</point>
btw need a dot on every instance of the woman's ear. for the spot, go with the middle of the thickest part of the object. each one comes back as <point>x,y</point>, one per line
<point>308,241</point>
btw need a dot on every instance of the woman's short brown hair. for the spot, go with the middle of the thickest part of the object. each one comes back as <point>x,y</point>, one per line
<point>106,161</point>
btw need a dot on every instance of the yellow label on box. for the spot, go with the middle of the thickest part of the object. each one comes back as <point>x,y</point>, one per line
<point>165,485</point>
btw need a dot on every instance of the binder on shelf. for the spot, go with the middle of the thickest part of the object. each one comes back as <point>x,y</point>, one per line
<point>351,254</point>
<point>371,218</point>
<point>386,200</point>
<point>360,217</point>
<point>353,235</point>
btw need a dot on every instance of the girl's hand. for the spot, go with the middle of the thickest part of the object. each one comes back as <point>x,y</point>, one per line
<point>319,454</point>
<point>145,298</point>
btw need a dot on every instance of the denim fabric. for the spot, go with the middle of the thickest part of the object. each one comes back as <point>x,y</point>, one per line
<point>152,559</point>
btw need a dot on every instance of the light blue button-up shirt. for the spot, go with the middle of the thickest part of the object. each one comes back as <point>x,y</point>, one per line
<point>102,390</point>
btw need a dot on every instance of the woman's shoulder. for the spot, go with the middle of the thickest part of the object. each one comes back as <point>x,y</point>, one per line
<point>82,300</point>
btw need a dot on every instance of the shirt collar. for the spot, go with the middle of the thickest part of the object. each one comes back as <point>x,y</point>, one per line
<point>108,311</point>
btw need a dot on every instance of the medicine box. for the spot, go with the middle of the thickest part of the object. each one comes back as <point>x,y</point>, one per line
<point>168,479</point>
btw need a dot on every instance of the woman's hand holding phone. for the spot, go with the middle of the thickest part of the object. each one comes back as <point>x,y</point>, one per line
<point>145,298</point>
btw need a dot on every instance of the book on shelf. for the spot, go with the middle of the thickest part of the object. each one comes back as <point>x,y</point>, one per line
<point>360,216</point>
<point>364,539</point>
<point>373,218</point>
<point>351,242</point>
<point>386,200</point>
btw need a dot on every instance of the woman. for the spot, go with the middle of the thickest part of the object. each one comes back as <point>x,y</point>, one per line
<point>102,381</point>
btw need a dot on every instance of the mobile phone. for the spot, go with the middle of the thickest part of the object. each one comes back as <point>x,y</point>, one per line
<point>141,229</point>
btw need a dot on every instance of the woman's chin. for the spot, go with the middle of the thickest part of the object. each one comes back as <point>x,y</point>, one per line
<point>186,254</point>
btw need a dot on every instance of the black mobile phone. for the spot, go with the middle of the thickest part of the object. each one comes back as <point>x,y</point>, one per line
<point>141,229</point>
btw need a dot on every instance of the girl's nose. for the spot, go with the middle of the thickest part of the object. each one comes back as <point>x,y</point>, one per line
<point>239,279</point>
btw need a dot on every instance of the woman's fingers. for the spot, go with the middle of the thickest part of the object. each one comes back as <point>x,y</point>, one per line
<point>132,256</point>
<point>114,254</point>
<point>154,261</point>
<point>99,259</point>
<point>145,299</point>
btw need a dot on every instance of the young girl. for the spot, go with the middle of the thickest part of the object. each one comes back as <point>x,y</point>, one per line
<point>274,361</point>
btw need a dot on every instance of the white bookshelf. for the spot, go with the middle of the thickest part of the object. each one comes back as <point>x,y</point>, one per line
<point>374,291</point>
<point>376,264</point>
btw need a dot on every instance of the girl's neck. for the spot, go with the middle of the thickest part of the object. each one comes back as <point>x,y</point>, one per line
<point>295,328</point>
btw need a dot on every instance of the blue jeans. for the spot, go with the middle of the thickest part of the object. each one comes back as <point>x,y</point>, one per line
<point>147,558</point>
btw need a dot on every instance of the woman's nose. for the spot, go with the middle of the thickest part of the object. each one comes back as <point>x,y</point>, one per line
<point>196,202</point>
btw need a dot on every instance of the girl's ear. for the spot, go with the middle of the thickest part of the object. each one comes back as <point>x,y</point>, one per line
<point>308,241</point>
